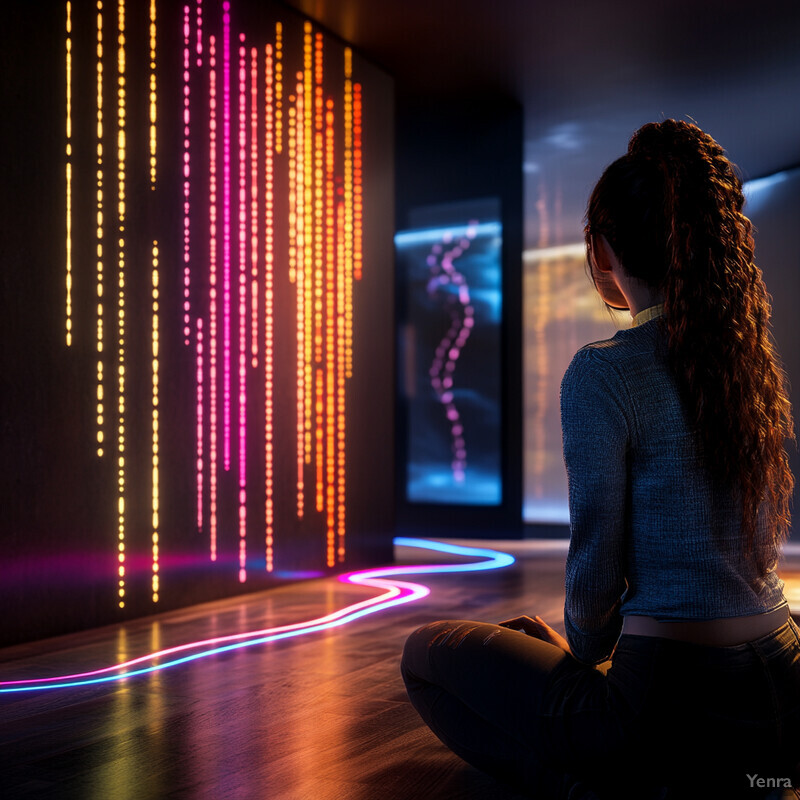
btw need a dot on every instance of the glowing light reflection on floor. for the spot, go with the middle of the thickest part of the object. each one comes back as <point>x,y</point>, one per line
<point>394,593</point>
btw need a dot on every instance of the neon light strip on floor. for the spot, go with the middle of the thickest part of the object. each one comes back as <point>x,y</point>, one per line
<point>394,593</point>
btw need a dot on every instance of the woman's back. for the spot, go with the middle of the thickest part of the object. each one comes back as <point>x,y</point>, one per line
<point>643,508</point>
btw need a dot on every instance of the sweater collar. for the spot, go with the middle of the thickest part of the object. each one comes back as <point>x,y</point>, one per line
<point>647,314</point>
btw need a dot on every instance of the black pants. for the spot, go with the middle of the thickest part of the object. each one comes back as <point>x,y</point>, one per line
<point>699,720</point>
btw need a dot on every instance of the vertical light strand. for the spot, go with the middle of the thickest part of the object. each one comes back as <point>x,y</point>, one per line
<point>308,239</point>
<point>153,95</point>
<point>300,238</point>
<point>186,177</point>
<point>199,428</point>
<point>358,186</point>
<point>269,268</point>
<point>278,92</point>
<point>226,236</point>
<point>319,241</point>
<point>121,294</point>
<point>348,209</point>
<point>254,335</point>
<point>341,418</point>
<point>330,339</point>
<point>213,421</point>
<point>68,308</point>
<point>199,30</point>
<point>243,318</point>
<point>99,270</point>
<point>155,425</point>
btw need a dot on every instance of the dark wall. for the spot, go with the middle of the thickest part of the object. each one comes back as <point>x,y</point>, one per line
<point>94,531</point>
<point>773,205</point>
<point>464,149</point>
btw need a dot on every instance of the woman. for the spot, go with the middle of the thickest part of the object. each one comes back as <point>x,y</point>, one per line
<point>680,674</point>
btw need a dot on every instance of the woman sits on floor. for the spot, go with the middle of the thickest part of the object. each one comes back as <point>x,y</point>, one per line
<point>680,673</point>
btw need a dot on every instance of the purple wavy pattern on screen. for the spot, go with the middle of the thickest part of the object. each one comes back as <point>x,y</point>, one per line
<point>446,280</point>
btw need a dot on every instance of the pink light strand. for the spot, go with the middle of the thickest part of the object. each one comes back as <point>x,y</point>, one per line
<point>199,428</point>
<point>243,152</point>
<point>254,207</point>
<point>212,304</point>
<point>226,236</point>
<point>186,178</point>
<point>199,46</point>
<point>268,310</point>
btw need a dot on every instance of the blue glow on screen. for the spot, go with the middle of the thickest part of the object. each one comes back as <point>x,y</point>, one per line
<point>454,298</point>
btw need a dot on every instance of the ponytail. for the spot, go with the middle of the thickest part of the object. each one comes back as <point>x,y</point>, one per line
<point>671,209</point>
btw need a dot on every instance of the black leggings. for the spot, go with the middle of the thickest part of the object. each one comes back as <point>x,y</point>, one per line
<point>699,720</point>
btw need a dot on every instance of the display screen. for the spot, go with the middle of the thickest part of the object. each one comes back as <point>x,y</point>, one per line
<point>450,260</point>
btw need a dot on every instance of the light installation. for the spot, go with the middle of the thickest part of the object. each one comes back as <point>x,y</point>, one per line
<point>394,593</point>
<point>270,195</point>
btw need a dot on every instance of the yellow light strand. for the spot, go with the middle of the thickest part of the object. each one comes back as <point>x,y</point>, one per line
<point>121,178</point>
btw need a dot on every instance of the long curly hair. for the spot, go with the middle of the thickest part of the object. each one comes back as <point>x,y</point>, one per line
<point>671,210</point>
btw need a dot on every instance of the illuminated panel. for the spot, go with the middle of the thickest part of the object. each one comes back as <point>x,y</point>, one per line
<point>186,178</point>
<point>269,322</point>
<point>121,294</point>
<point>153,95</point>
<point>302,127</point>
<point>254,207</point>
<point>155,425</point>
<point>226,236</point>
<point>243,153</point>
<point>69,175</point>
<point>213,459</point>
<point>394,592</point>
<point>100,432</point>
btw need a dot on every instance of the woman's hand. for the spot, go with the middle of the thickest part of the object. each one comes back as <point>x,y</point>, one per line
<point>537,628</point>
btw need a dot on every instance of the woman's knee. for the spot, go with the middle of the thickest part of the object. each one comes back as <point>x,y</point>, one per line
<point>415,662</point>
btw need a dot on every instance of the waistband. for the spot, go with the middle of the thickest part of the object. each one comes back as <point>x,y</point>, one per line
<point>784,638</point>
<point>714,633</point>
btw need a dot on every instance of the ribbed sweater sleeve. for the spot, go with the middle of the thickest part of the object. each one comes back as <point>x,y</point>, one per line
<point>596,438</point>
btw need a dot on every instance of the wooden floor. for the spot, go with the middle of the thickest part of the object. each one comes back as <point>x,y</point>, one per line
<point>318,717</point>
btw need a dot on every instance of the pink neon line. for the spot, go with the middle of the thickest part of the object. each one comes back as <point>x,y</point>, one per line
<point>400,590</point>
<point>395,593</point>
<point>212,304</point>
<point>242,311</point>
<point>226,235</point>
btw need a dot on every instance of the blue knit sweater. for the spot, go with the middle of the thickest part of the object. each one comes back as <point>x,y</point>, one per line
<point>650,534</point>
